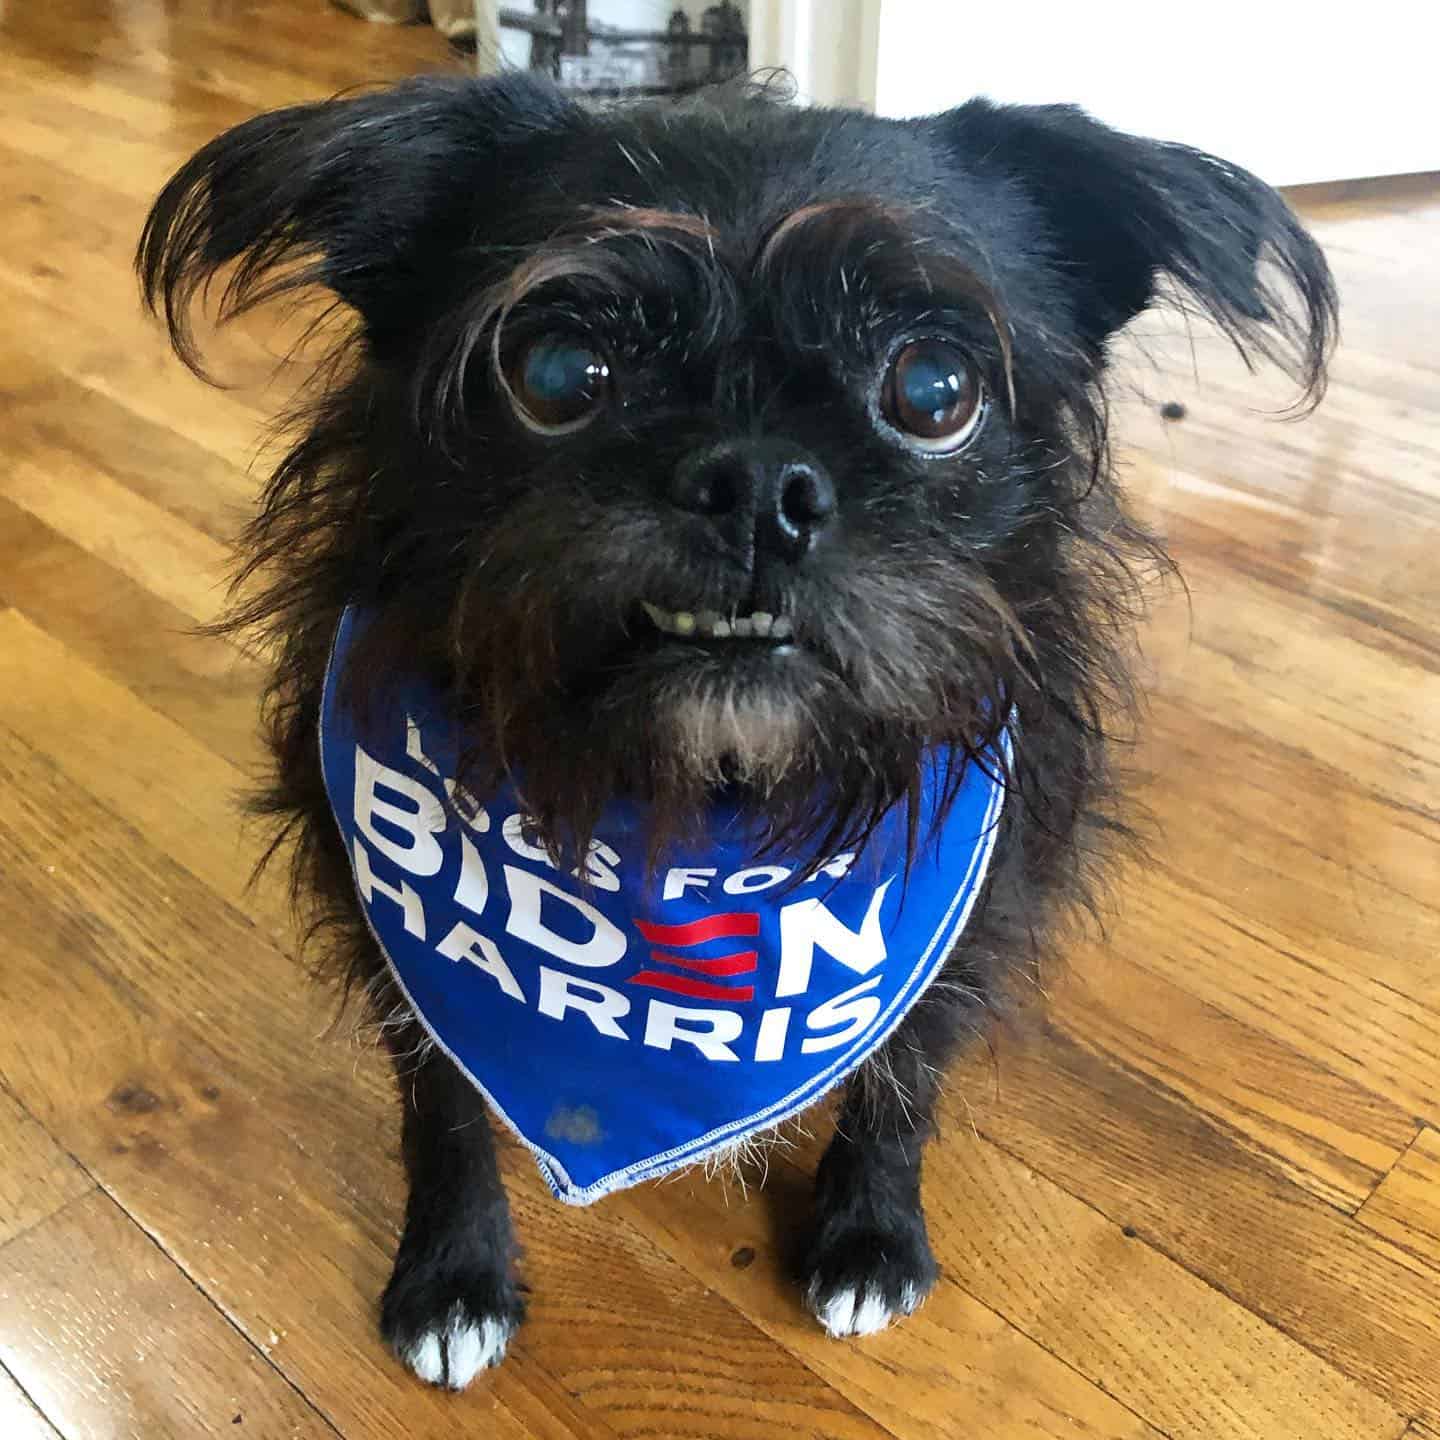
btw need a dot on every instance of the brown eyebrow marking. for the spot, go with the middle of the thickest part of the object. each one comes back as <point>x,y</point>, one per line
<point>854,209</point>
<point>618,219</point>
<point>850,215</point>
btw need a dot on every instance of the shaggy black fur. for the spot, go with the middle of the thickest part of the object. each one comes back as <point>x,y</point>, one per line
<point>749,270</point>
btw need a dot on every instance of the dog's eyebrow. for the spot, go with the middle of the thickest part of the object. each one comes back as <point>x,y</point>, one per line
<point>846,215</point>
<point>605,221</point>
<point>890,239</point>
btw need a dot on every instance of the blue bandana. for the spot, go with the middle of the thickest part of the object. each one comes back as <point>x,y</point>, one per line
<point>633,1023</point>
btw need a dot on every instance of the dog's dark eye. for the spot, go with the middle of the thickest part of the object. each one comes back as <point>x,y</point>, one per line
<point>933,396</point>
<point>559,383</point>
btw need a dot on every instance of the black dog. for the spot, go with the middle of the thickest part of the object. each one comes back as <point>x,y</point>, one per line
<point>715,447</point>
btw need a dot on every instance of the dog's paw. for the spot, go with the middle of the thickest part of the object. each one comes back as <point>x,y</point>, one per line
<point>860,1279</point>
<point>448,1331</point>
<point>453,1351</point>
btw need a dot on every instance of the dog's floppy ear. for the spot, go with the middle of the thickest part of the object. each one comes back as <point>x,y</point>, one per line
<point>360,195</point>
<point>1124,212</point>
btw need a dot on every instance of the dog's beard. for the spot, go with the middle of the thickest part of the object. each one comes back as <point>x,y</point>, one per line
<point>565,689</point>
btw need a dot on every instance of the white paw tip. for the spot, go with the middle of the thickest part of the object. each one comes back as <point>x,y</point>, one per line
<point>425,1358</point>
<point>848,1312</point>
<point>454,1356</point>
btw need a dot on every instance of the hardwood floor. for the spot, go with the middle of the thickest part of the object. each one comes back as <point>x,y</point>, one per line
<point>1200,1200</point>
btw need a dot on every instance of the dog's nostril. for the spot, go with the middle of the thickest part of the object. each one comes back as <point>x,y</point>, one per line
<point>712,486</point>
<point>750,492</point>
<point>806,497</point>
<point>715,492</point>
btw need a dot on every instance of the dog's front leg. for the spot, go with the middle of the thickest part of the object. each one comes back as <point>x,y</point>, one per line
<point>869,1260</point>
<point>453,1302</point>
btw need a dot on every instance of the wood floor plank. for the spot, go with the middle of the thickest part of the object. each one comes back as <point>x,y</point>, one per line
<point>967,1369</point>
<point>1323,1131</point>
<point>132,637</point>
<point>134,762</point>
<point>268,55</point>
<point>1148,1331</point>
<point>1313,997</point>
<point>134,535</point>
<point>132,366</point>
<point>1406,1205</point>
<point>1140,1328</point>
<point>19,1419</point>
<point>109,1337</point>
<point>1142,1157</point>
<point>36,1176</point>
<point>65,420</point>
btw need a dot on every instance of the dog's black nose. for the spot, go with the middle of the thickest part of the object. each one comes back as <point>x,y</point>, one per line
<point>771,492</point>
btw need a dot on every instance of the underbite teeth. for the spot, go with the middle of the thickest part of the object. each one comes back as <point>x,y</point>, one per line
<point>708,625</point>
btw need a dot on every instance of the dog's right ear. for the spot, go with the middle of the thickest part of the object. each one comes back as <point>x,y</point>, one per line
<point>358,195</point>
<point>1123,213</point>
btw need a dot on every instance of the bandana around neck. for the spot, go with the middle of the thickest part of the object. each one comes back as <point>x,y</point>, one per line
<point>634,1022</point>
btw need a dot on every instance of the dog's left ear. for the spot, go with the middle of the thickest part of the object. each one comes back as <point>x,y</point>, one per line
<point>1122,213</point>
<point>371,197</point>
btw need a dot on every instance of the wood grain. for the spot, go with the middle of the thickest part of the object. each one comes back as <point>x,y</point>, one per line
<point>1406,1204</point>
<point>1197,1194</point>
<point>110,1338</point>
<point>36,1176</point>
<point>1143,1330</point>
<point>1143,1158</point>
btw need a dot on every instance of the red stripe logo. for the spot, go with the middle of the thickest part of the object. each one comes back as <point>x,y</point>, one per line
<point>697,989</point>
<point>697,932</point>
<point>736,924</point>
<point>742,962</point>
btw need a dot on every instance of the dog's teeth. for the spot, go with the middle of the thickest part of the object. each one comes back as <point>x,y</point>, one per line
<point>710,625</point>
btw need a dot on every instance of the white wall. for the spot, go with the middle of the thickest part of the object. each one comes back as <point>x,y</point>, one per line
<point>1294,91</point>
<point>828,46</point>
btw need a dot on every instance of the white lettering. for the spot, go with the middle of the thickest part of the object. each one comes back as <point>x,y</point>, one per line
<point>804,924</point>
<point>600,859</point>
<point>836,869</point>
<point>605,945</point>
<point>682,877</point>
<point>514,830</point>
<point>774,1026</point>
<point>749,882</point>
<point>422,855</point>
<point>707,1030</point>
<point>465,804</point>
<point>463,943</point>
<point>600,866</point>
<point>472,889</point>
<point>560,992</point>
<point>852,1008</point>
<point>404,897</point>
